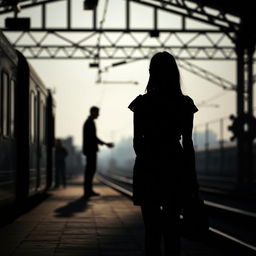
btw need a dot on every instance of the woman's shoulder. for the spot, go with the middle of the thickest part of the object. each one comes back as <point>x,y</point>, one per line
<point>138,102</point>
<point>146,100</point>
<point>188,104</point>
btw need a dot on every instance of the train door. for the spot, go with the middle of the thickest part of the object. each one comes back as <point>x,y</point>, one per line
<point>42,149</point>
<point>33,144</point>
<point>50,135</point>
<point>7,140</point>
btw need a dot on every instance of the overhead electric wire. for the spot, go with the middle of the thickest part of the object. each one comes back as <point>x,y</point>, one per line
<point>212,98</point>
<point>97,57</point>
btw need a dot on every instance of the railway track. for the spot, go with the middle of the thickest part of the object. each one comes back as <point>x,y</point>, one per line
<point>229,225</point>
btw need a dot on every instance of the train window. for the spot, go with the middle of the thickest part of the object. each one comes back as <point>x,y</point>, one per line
<point>1,100</point>
<point>41,122</point>
<point>45,124</point>
<point>35,118</point>
<point>32,109</point>
<point>5,101</point>
<point>31,130</point>
<point>12,107</point>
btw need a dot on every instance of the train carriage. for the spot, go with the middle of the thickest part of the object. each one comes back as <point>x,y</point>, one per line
<point>8,79</point>
<point>37,132</point>
<point>26,130</point>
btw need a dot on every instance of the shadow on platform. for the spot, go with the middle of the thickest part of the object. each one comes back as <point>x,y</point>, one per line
<point>71,208</point>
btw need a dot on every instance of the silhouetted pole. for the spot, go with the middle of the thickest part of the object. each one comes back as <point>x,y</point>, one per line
<point>221,142</point>
<point>240,107</point>
<point>245,122</point>
<point>250,52</point>
<point>206,147</point>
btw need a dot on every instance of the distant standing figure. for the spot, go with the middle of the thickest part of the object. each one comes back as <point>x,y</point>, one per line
<point>90,148</point>
<point>164,171</point>
<point>60,163</point>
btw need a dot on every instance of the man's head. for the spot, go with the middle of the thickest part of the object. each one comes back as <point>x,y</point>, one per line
<point>94,112</point>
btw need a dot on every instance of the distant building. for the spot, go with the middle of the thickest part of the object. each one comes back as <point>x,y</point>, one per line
<point>75,159</point>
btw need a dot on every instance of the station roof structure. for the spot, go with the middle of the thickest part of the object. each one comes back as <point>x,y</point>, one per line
<point>217,42</point>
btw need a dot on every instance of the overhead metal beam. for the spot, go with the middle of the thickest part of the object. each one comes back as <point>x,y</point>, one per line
<point>185,42</point>
<point>207,75</point>
<point>185,8</point>
<point>118,53</point>
<point>122,45</point>
<point>218,20</point>
<point>196,11</point>
<point>6,6</point>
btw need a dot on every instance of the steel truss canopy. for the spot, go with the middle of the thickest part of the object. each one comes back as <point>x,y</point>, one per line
<point>214,37</point>
<point>203,30</point>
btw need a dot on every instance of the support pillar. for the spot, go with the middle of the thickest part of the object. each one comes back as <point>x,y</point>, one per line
<point>240,50</point>
<point>245,51</point>
<point>249,109</point>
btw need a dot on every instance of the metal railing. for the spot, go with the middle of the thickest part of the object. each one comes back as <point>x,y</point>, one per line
<point>213,134</point>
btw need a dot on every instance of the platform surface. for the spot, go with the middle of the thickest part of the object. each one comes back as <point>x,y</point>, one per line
<point>66,225</point>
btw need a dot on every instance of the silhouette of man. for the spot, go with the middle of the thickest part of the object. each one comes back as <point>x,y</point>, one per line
<point>90,148</point>
<point>60,164</point>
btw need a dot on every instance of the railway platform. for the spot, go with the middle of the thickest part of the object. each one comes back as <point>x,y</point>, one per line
<point>66,225</point>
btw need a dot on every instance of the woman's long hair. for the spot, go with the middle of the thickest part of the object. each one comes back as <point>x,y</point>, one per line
<point>164,75</point>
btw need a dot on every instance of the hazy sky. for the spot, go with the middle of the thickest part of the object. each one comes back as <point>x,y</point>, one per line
<point>76,90</point>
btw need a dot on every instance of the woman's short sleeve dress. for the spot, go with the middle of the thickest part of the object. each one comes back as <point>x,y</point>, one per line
<point>159,165</point>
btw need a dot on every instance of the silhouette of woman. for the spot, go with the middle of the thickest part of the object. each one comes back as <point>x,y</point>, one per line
<point>164,170</point>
